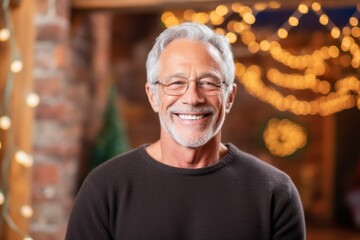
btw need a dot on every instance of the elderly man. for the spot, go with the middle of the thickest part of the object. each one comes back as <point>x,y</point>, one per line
<point>188,184</point>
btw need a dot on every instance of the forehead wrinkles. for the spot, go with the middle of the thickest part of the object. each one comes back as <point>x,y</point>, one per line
<point>187,55</point>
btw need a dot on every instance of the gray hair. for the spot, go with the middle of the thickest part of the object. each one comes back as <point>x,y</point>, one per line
<point>197,32</point>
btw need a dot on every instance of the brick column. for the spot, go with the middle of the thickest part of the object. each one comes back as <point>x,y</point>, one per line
<point>58,121</point>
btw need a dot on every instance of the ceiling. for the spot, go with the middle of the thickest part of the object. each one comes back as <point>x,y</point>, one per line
<point>163,4</point>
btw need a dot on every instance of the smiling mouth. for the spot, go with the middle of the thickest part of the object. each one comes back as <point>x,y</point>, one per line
<point>192,117</point>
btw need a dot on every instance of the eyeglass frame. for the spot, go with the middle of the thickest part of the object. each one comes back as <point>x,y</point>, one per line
<point>197,82</point>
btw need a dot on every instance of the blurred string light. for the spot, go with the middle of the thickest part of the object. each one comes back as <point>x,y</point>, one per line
<point>9,149</point>
<point>348,43</point>
<point>284,137</point>
<point>342,98</point>
<point>298,82</point>
<point>345,94</point>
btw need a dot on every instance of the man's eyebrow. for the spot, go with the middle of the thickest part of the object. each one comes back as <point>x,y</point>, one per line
<point>209,74</point>
<point>179,74</point>
<point>202,75</point>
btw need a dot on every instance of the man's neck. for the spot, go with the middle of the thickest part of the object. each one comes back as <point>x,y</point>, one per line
<point>173,154</point>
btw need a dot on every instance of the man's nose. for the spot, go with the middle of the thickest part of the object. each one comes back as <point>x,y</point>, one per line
<point>193,94</point>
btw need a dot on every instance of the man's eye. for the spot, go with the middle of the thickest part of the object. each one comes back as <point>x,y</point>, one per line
<point>176,82</point>
<point>210,82</point>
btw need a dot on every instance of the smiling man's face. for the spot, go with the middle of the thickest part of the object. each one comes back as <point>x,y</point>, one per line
<point>191,119</point>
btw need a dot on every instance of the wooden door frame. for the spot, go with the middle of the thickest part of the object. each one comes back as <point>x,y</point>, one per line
<point>19,179</point>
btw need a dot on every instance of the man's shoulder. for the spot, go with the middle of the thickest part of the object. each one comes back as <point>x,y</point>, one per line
<point>253,166</point>
<point>124,158</point>
<point>119,165</point>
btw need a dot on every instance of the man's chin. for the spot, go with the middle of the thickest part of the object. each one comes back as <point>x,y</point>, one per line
<point>191,142</point>
<point>193,145</point>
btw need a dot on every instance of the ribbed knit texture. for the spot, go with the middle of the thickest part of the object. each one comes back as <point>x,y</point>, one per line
<point>133,196</point>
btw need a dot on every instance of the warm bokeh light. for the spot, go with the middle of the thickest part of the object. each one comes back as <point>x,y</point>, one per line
<point>316,6</point>
<point>293,21</point>
<point>23,158</point>
<point>169,19</point>
<point>355,63</point>
<point>334,51</point>
<point>249,18</point>
<point>260,6</point>
<point>264,45</point>
<point>324,19</point>
<point>26,211</point>
<point>220,31</point>
<point>335,32</point>
<point>33,100</point>
<point>355,32</point>
<point>201,17</point>
<point>244,10</point>
<point>302,8</point>
<point>282,33</point>
<point>221,10</point>
<point>353,21</point>
<point>231,37</point>
<point>346,31</point>
<point>236,7</point>
<point>187,14</point>
<point>239,69</point>
<point>5,122</point>
<point>16,66</point>
<point>215,18</point>
<point>4,34</point>
<point>2,198</point>
<point>253,47</point>
<point>274,4</point>
<point>284,137</point>
<point>248,37</point>
<point>240,27</point>
<point>346,43</point>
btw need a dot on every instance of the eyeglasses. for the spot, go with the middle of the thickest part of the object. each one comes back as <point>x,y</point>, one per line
<point>176,86</point>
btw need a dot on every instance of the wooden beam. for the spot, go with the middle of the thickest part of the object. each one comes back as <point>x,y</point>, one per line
<point>145,5</point>
<point>140,5</point>
<point>19,181</point>
<point>113,4</point>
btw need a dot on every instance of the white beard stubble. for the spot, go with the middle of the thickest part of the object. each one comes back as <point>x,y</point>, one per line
<point>197,141</point>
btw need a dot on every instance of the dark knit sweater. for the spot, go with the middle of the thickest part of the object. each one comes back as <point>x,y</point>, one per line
<point>136,197</point>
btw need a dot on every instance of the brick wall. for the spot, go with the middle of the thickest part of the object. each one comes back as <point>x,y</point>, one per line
<point>58,121</point>
<point>71,71</point>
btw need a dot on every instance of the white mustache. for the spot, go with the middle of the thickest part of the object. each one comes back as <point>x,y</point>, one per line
<point>193,110</point>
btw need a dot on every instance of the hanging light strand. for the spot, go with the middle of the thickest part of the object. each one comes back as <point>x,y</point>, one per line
<point>8,149</point>
<point>342,98</point>
<point>348,43</point>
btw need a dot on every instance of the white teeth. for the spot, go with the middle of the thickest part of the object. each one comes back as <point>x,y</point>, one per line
<point>190,117</point>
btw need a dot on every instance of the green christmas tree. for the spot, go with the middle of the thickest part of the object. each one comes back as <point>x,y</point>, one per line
<point>112,139</point>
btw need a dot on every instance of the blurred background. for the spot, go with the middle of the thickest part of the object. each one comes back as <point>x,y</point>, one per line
<point>72,77</point>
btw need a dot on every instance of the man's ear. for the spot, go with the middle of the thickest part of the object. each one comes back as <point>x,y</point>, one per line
<point>230,99</point>
<point>152,97</point>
